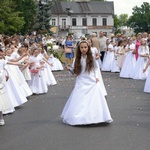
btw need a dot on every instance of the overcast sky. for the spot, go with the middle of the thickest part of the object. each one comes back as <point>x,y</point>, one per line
<point>125,6</point>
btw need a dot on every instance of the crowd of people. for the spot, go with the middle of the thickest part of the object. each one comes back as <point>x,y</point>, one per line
<point>26,68</point>
<point>128,56</point>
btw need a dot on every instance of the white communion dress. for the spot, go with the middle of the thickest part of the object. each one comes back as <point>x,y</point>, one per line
<point>129,63</point>
<point>56,64</point>
<point>38,83</point>
<point>86,104</point>
<point>5,102</point>
<point>140,64</point>
<point>48,75</point>
<point>94,52</point>
<point>147,82</point>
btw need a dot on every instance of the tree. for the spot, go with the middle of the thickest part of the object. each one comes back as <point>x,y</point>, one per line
<point>28,9</point>
<point>98,0</point>
<point>43,17</point>
<point>120,21</point>
<point>123,18</point>
<point>140,19</point>
<point>10,20</point>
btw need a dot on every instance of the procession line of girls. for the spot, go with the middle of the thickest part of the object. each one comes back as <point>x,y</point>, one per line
<point>29,73</point>
<point>122,57</point>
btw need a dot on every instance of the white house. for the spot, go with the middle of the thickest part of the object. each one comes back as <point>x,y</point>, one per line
<point>82,17</point>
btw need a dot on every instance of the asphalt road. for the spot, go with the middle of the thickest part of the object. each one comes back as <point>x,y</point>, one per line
<point>37,125</point>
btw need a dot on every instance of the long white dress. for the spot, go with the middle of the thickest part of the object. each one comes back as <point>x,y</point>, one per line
<point>5,102</point>
<point>19,76</point>
<point>129,63</point>
<point>94,52</point>
<point>115,66</point>
<point>86,104</point>
<point>38,83</point>
<point>147,82</point>
<point>26,71</point>
<point>56,64</point>
<point>107,64</point>
<point>140,64</point>
<point>13,88</point>
<point>49,77</point>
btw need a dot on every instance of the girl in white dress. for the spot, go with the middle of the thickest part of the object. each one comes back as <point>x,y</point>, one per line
<point>25,60</point>
<point>115,66</point>
<point>107,64</point>
<point>5,102</point>
<point>17,74</point>
<point>13,88</point>
<point>50,79</point>
<point>147,83</point>
<point>86,104</point>
<point>96,55</point>
<point>2,83</point>
<point>143,52</point>
<point>130,60</point>
<point>38,83</point>
<point>56,64</point>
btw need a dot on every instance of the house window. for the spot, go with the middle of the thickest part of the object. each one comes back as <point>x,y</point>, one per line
<point>74,21</point>
<point>84,21</point>
<point>104,21</point>
<point>94,21</point>
<point>53,22</point>
<point>63,22</point>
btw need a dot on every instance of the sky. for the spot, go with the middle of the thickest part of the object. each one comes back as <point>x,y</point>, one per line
<point>125,6</point>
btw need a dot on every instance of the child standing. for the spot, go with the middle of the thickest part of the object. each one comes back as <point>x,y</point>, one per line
<point>107,63</point>
<point>37,83</point>
<point>2,83</point>
<point>147,83</point>
<point>86,104</point>
<point>96,55</point>
<point>25,60</point>
<point>143,52</point>
<point>5,103</point>
<point>130,60</point>
<point>120,54</point>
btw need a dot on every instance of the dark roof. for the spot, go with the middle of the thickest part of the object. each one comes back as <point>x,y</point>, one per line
<point>93,7</point>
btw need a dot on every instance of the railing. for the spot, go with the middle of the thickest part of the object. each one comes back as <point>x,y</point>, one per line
<point>64,27</point>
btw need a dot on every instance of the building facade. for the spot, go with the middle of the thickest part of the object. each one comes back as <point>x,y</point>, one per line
<point>80,18</point>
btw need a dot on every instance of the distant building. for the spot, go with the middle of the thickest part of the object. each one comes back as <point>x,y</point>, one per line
<point>82,17</point>
<point>127,31</point>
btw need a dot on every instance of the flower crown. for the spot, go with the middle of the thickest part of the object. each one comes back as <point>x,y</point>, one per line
<point>83,41</point>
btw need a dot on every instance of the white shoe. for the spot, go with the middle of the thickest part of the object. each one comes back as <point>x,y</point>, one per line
<point>2,122</point>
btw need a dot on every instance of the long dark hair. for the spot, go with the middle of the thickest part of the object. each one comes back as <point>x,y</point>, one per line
<point>89,60</point>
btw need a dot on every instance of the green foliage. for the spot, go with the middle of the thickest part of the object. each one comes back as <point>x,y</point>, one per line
<point>74,0</point>
<point>123,18</point>
<point>120,21</point>
<point>116,22</point>
<point>140,19</point>
<point>98,0</point>
<point>28,9</point>
<point>43,17</point>
<point>10,20</point>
